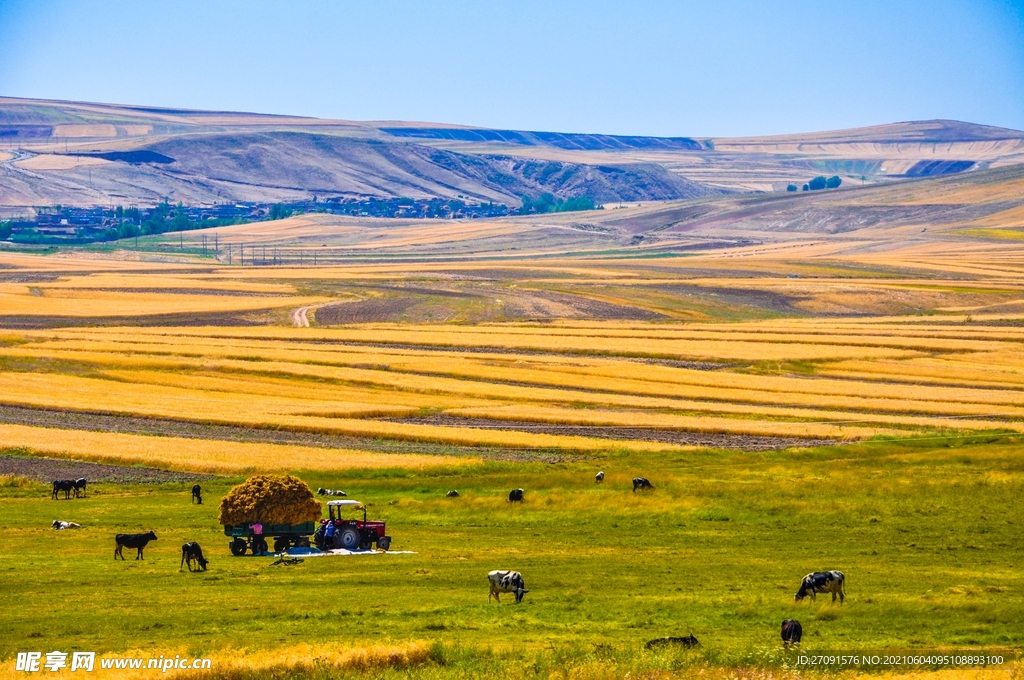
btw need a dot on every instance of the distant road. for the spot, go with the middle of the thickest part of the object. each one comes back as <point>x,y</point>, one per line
<point>299,317</point>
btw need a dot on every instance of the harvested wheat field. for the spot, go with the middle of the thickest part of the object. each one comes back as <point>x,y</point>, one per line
<point>812,399</point>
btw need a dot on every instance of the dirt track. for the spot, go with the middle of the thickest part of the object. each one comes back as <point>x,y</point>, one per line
<point>713,440</point>
<point>49,469</point>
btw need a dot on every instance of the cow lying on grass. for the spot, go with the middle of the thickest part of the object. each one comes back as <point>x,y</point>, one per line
<point>330,492</point>
<point>515,496</point>
<point>59,525</point>
<point>688,641</point>
<point>192,551</point>
<point>823,582</point>
<point>504,581</point>
<point>137,541</point>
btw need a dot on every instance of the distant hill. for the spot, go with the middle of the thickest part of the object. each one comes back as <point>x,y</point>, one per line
<point>80,153</point>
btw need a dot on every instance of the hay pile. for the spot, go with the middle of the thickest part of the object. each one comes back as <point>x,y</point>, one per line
<point>270,499</point>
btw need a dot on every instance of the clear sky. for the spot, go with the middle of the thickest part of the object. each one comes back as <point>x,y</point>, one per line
<point>655,67</point>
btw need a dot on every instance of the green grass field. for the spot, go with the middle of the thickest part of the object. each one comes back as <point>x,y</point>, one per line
<point>928,533</point>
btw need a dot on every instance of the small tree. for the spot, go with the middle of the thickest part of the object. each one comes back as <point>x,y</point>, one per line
<point>818,183</point>
<point>833,182</point>
<point>807,187</point>
<point>791,187</point>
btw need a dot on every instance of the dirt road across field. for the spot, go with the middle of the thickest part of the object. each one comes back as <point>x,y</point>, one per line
<point>48,469</point>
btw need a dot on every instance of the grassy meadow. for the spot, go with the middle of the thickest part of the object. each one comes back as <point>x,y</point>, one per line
<point>926,531</point>
<point>803,404</point>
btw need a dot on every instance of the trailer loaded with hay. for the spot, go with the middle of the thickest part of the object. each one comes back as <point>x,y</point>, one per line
<point>278,507</point>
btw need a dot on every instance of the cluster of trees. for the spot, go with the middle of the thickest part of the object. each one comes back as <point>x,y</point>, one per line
<point>819,183</point>
<point>162,219</point>
<point>547,203</point>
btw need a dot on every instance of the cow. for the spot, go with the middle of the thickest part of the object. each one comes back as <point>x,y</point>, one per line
<point>79,486</point>
<point>65,485</point>
<point>59,525</point>
<point>515,496</point>
<point>197,494</point>
<point>822,582</point>
<point>504,581</point>
<point>599,477</point>
<point>642,484</point>
<point>791,632</point>
<point>452,494</point>
<point>192,551</point>
<point>137,541</point>
<point>330,492</point>
<point>688,641</point>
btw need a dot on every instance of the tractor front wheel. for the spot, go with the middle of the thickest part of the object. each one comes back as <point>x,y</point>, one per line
<point>237,547</point>
<point>384,542</point>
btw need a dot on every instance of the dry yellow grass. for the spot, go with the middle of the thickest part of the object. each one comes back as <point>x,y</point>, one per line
<point>205,455</point>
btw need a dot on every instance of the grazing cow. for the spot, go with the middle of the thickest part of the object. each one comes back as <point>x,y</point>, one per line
<point>452,494</point>
<point>65,485</point>
<point>599,477</point>
<point>791,632</point>
<point>192,551</point>
<point>79,486</point>
<point>330,492</point>
<point>137,541</point>
<point>515,495</point>
<point>504,581</point>
<point>642,484</point>
<point>59,525</point>
<point>823,582</point>
<point>688,641</point>
<point>197,494</point>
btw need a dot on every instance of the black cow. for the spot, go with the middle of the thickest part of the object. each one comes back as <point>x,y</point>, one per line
<point>197,494</point>
<point>823,582</point>
<point>79,486</point>
<point>65,485</point>
<point>515,495</point>
<point>688,641</point>
<point>192,551</point>
<point>137,541</point>
<point>599,477</point>
<point>642,484</point>
<point>452,494</point>
<point>791,632</point>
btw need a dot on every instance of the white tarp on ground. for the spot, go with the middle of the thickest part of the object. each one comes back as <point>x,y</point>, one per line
<point>313,552</point>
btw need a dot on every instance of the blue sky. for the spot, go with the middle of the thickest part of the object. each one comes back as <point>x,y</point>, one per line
<point>640,67</point>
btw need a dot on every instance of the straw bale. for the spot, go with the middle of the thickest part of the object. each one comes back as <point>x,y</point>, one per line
<point>270,499</point>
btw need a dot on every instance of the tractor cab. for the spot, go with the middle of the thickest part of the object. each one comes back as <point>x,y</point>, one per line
<point>351,534</point>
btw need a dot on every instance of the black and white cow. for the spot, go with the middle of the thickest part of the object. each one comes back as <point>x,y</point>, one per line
<point>642,484</point>
<point>515,495</point>
<point>452,494</point>
<point>60,525</point>
<point>599,477</point>
<point>192,551</point>
<point>792,631</point>
<point>65,485</point>
<point>137,541</point>
<point>823,582</point>
<point>79,486</point>
<point>197,494</point>
<point>330,492</point>
<point>504,581</point>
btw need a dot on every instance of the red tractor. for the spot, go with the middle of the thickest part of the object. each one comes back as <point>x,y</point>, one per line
<point>350,534</point>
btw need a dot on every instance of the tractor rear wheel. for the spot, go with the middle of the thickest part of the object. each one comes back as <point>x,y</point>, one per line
<point>349,538</point>
<point>281,544</point>
<point>237,547</point>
